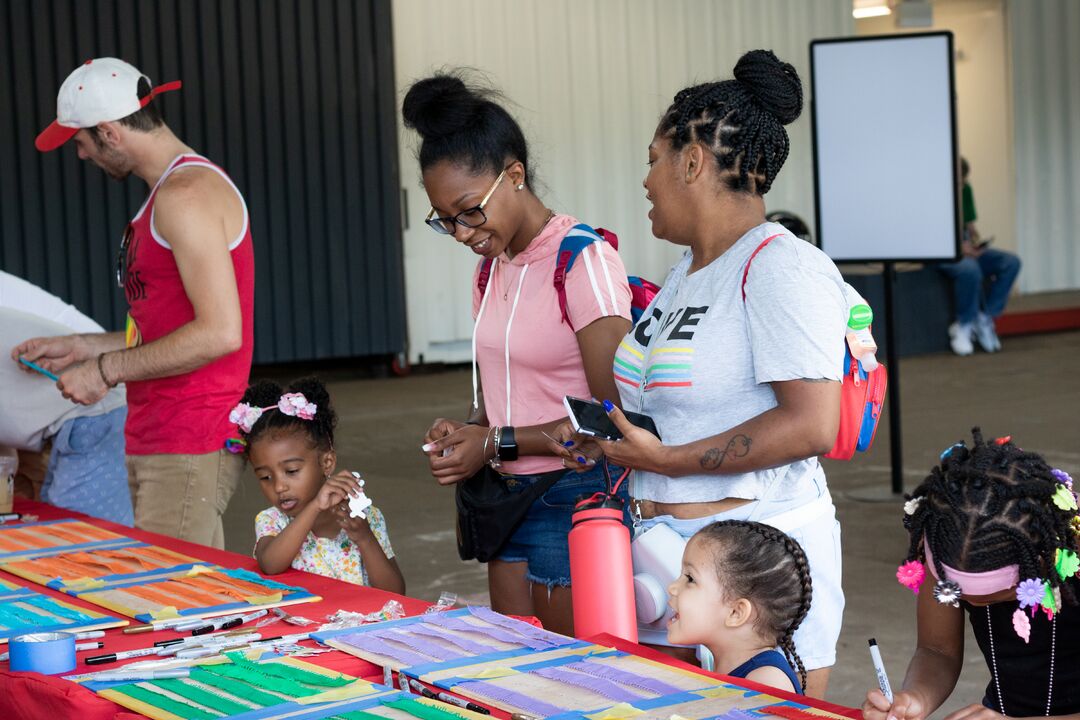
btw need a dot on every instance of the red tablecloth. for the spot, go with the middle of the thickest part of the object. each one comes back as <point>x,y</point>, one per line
<point>34,697</point>
<point>30,695</point>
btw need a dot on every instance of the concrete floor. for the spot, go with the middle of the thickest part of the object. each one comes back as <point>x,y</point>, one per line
<point>1027,391</point>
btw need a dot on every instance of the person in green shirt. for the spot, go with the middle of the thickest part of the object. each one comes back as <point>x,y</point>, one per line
<point>977,302</point>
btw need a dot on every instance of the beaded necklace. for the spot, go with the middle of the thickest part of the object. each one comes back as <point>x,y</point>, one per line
<point>993,663</point>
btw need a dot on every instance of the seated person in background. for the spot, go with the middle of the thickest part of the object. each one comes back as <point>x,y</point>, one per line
<point>744,589</point>
<point>289,436</point>
<point>993,542</point>
<point>976,309</point>
<point>86,470</point>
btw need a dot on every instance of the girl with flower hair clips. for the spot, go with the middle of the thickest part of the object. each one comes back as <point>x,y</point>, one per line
<point>993,536</point>
<point>289,438</point>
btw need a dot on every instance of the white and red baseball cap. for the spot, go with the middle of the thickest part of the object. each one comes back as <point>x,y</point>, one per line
<point>100,90</point>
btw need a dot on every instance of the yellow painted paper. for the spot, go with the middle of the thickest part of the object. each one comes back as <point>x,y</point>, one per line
<point>617,712</point>
<point>165,613</point>
<point>263,599</point>
<point>83,584</point>
<point>356,689</point>
<point>718,692</point>
<point>199,570</point>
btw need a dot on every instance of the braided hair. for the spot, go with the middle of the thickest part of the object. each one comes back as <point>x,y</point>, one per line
<point>768,568</point>
<point>463,123</point>
<point>740,121</point>
<point>989,506</point>
<point>320,429</point>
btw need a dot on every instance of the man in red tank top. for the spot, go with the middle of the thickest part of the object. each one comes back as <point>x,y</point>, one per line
<point>186,266</point>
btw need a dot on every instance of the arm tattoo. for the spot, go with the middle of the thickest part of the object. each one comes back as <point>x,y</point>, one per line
<point>737,447</point>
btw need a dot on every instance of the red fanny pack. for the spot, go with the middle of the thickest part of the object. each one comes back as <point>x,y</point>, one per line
<point>862,394</point>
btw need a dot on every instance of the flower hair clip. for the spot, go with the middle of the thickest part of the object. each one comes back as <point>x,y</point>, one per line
<point>245,416</point>
<point>911,575</point>
<point>912,505</point>
<point>292,404</point>
<point>947,592</point>
<point>296,405</point>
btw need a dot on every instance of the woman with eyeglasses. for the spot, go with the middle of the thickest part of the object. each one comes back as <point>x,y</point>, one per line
<point>475,165</point>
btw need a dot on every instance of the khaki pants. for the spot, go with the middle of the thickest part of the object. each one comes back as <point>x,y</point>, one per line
<point>184,496</point>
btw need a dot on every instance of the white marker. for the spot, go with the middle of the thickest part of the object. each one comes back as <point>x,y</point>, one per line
<point>89,634</point>
<point>879,668</point>
<point>122,655</point>
<point>134,676</point>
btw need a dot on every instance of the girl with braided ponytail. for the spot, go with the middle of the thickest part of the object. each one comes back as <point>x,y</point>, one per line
<point>994,537</point>
<point>738,358</point>
<point>288,435</point>
<point>745,588</point>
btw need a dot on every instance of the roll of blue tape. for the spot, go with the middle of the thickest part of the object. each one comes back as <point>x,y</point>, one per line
<point>47,652</point>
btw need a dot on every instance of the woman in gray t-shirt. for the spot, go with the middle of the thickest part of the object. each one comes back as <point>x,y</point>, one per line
<point>738,363</point>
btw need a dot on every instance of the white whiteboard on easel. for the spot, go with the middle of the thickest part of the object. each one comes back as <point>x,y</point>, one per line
<point>886,179</point>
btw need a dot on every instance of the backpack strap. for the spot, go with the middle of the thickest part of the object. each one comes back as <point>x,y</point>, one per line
<point>746,270</point>
<point>484,276</point>
<point>577,239</point>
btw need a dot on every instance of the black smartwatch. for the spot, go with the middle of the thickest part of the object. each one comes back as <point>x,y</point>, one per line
<point>507,449</point>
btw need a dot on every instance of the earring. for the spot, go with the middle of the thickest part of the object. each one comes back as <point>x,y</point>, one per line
<point>521,186</point>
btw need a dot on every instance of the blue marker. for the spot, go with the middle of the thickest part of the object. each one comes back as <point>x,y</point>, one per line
<point>38,368</point>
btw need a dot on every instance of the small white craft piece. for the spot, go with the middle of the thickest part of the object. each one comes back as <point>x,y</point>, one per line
<point>359,503</point>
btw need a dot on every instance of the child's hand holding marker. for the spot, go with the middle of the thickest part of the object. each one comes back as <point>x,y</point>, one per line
<point>904,706</point>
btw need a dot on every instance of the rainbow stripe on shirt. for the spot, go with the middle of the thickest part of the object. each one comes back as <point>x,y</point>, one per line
<point>668,366</point>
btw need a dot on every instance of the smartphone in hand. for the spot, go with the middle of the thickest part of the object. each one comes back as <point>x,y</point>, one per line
<point>589,418</point>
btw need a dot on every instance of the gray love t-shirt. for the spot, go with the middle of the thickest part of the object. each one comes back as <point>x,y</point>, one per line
<point>700,359</point>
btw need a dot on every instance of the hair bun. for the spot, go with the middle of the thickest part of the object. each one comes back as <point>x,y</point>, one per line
<point>440,105</point>
<point>773,83</point>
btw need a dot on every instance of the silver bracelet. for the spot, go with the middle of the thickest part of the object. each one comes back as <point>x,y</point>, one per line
<point>487,438</point>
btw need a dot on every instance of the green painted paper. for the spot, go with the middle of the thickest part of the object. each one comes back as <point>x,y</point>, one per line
<point>235,687</point>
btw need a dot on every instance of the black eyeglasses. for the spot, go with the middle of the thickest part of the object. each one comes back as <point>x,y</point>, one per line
<point>472,218</point>
<point>121,257</point>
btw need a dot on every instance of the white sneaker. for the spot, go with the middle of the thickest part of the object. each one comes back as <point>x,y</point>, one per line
<point>960,338</point>
<point>986,333</point>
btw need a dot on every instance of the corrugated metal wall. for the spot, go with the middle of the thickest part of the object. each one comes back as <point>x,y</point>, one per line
<point>295,99</point>
<point>589,79</point>
<point>1046,94</point>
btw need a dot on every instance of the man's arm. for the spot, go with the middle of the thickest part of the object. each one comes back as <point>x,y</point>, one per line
<point>198,214</point>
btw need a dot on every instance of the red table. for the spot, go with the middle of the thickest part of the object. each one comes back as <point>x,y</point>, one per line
<point>33,696</point>
<point>30,695</point>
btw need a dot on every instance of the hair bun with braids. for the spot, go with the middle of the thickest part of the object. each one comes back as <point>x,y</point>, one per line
<point>773,83</point>
<point>463,123</point>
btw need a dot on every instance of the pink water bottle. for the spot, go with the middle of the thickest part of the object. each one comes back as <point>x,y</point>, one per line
<point>601,571</point>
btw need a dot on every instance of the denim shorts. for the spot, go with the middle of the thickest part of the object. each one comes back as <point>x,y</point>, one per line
<point>541,539</point>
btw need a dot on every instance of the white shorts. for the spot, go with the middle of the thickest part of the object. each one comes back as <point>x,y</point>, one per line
<point>812,522</point>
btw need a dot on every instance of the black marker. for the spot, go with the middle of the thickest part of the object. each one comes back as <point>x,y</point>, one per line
<point>217,626</point>
<point>122,655</point>
<point>448,699</point>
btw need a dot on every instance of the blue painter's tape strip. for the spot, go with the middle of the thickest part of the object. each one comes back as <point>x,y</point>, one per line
<point>296,711</point>
<point>31,554</point>
<point>128,579</point>
<point>148,618</point>
<point>448,683</point>
<point>380,627</point>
